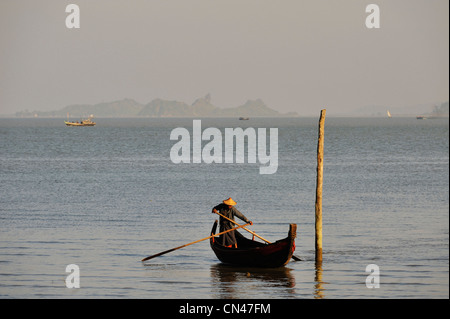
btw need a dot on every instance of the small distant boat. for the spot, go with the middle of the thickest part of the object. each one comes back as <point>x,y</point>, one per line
<point>420,117</point>
<point>244,118</point>
<point>253,253</point>
<point>87,122</point>
<point>389,114</point>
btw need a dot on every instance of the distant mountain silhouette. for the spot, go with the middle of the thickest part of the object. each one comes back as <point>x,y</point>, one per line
<point>202,107</point>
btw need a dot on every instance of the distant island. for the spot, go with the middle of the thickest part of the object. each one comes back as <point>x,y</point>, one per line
<point>430,110</point>
<point>437,112</point>
<point>202,107</point>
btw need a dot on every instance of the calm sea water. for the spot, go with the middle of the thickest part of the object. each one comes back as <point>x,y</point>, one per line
<point>104,197</point>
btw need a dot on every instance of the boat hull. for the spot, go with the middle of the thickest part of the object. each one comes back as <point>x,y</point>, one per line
<point>253,253</point>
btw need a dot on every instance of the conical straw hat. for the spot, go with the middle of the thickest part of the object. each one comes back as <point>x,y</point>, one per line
<point>229,201</point>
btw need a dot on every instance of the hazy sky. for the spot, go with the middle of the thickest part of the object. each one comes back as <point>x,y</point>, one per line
<point>295,55</point>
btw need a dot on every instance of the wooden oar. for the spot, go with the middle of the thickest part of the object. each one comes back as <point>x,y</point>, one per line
<point>251,232</point>
<point>194,242</point>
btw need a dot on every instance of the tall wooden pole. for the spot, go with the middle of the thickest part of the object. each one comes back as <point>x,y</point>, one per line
<point>319,184</point>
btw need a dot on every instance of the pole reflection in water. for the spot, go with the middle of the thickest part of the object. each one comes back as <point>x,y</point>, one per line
<point>231,282</point>
<point>318,286</point>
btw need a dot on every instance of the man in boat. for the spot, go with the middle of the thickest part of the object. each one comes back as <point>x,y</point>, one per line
<point>227,209</point>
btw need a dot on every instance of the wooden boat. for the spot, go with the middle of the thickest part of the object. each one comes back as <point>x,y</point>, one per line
<point>253,253</point>
<point>87,122</point>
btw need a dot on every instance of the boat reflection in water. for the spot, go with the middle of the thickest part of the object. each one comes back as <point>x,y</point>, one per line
<point>232,281</point>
